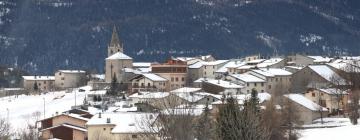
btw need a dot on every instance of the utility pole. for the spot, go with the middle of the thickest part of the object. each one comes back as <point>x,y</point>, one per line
<point>8,113</point>
<point>44,106</point>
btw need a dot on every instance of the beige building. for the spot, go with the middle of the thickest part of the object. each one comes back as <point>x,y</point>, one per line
<point>305,60</point>
<point>278,81</point>
<point>175,71</point>
<point>149,82</point>
<point>121,126</point>
<point>316,76</point>
<point>44,83</point>
<point>205,69</point>
<point>249,82</point>
<point>67,126</point>
<point>330,98</point>
<point>69,79</point>
<point>305,109</point>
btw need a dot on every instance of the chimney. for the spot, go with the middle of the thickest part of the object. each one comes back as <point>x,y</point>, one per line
<point>107,120</point>
<point>99,115</point>
<point>218,81</point>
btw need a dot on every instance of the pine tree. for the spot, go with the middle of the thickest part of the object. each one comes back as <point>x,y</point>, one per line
<point>36,87</point>
<point>228,123</point>
<point>204,127</point>
<point>113,86</point>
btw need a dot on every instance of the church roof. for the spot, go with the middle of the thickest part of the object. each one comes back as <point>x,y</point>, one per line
<point>115,38</point>
<point>119,55</point>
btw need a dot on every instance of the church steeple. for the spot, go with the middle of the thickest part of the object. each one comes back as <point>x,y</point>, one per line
<point>115,43</point>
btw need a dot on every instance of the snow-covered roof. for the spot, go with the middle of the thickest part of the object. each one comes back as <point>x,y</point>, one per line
<point>320,59</point>
<point>141,64</point>
<point>243,97</point>
<point>190,97</point>
<point>328,74</point>
<point>302,100</point>
<point>154,77</point>
<point>193,110</point>
<point>295,67</point>
<point>185,90</point>
<point>76,116</point>
<point>271,72</point>
<point>224,84</point>
<point>130,70</point>
<point>333,91</point>
<point>256,61</point>
<point>150,95</point>
<point>196,65</point>
<point>269,62</point>
<point>247,78</point>
<point>345,65</point>
<point>245,67</point>
<point>125,122</point>
<point>212,63</point>
<point>118,55</point>
<point>71,71</point>
<point>48,78</point>
<point>230,64</point>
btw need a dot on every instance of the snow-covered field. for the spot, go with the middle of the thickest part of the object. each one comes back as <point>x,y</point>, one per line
<point>20,110</point>
<point>344,130</point>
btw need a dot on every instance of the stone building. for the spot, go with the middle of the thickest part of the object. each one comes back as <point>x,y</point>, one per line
<point>44,83</point>
<point>175,71</point>
<point>70,79</point>
<point>116,60</point>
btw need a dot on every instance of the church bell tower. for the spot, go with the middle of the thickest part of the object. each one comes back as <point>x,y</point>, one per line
<point>115,44</point>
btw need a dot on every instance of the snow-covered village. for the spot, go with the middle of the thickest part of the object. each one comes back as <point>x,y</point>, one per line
<point>299,96</point>
<point>179,69</point>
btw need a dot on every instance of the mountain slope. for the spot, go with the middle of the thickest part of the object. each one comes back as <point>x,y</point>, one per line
<point>41,36</point>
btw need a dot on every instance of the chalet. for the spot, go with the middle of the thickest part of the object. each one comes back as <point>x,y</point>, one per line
<point>306,109</point>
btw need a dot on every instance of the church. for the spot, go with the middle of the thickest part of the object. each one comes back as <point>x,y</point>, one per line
<point>116,60</point>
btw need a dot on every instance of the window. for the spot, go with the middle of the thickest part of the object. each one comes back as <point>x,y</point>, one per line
<point>172,79</point>
<point>149,84</point>
<point>276,79</point>
<point>247,91</point>
<point>247,84</point>
<point>255,84</point>
<point>134,136</point>
<point>104,129</point>
<point>44,82</point>
<point>176,79</point>
<point>262,90</point>
<point>313,94</point>
<point>262,84</point>
<point>213,67</point>
<point>182,79</point>
<point>205,67</point>
<point>62,78</point>
<point>269,87</point>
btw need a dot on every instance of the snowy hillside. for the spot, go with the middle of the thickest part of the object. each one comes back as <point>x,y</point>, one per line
<point>22,108</point>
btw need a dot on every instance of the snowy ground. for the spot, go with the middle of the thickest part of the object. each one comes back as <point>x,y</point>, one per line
<point>339,128</point>
<point>20,110</point>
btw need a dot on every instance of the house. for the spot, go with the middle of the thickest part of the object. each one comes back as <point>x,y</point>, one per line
<point>149,82</point>
<point>306,110</point>
<point>305,60</point>
<point>124,125</point>
<point>204,69</point>
<point>278,81</point>
<point>70,79</point>
<point>116,60</point>
<point>249,82</point>
<point>67,126</point>
<point>272,63</point>
<point>220,87</point>
<point>229,68</point>
<point>331,98</point>
<point>316,76</point>
<point>175,71</point>
<point>44,83</point>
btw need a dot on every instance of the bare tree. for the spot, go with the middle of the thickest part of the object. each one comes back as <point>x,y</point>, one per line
<point>290,119</point>
<point>272,120</point>
<point>4,129</point>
